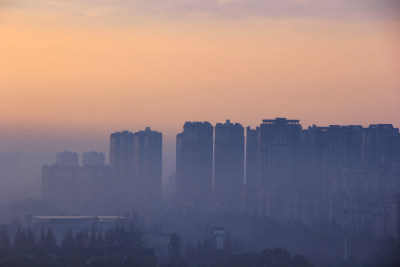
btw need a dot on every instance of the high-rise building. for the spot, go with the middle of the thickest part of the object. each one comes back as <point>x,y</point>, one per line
<point>374,143</point>
<point>122,154</point>
<point>125,184</point>
<point>251,188</point>
<point>336,148</point>
<point>67,159</point>
<point>393,216</point>
<point>75,189</point>
<point>392,152</point>
<point>278,154</point>
<point>194,165</point>
<point>148,169</point>
<point>94,159</point>
<point>252,157</point>
<point>228,165</point>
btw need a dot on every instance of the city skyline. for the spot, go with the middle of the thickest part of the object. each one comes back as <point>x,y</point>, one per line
<point>305,175</point>
<point>206,133</point>
<point>90,68</point>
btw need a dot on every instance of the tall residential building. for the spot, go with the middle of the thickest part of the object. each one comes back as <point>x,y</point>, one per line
<point>94,159</point>
<point>76,189</point>
<point>374,143</point>
<point>194,165</point>
<point>125,185</point>
<point>148,169</point>
<point>336,148</point>
<point>122,154</point>
<point>252,157</point>
<point>228,165</point>
<point>393,216</point>
<point>251,188</point>
<point>67,159</point>
<point>392,152</point>
<point>278,154</point>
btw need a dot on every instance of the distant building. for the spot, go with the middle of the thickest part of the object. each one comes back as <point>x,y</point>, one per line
<point>228,165</point>
<point>148,169</point>
<point>393,216</point>
<point>125,183</point>
<point>94,159</point>
<point>122,154</point>
<point>359,191</point>
<point>77,189</point>
<point>219,234</point>
<point>336,148</point>
<point>252,157</point>
<point>278,153</point>
<point>67,159</point>
<point>251,189</point>
<point>392,152</point>
<point>194,165</point>
<point>374,143</point>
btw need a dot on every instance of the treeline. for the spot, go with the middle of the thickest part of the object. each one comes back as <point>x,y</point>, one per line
<point>205,254</point>
<point>115,247</point>
<point>322,243</point>
<point>115,238</point>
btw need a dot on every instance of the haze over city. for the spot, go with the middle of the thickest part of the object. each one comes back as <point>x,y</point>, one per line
<point>75,75</point>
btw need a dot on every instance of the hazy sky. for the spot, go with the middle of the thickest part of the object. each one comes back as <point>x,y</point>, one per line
<point>73,71</point>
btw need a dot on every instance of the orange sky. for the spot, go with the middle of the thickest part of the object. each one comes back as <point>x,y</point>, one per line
<point>77,77</point>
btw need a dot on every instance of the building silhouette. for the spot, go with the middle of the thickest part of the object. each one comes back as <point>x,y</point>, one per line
<point>194,166</point>
<point>67,159</point>
<point>374,143</point>
<point>122,154</point>
<point>336,147</point>
<point>251,187</point>
<point>228,165</point>
<point>278,154</point>
<point>148,169</point>
<point>126,185</point>
<point>393,216</point>
<point>93,159</point>
<point>280,170</point>
<point>76,189</point>
<point>392,152</point>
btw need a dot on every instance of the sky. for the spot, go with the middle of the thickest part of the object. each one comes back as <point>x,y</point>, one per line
<point>73,71</point>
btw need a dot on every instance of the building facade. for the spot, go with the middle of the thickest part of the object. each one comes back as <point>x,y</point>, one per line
<point>148,169</point>
<point>67,159</point>
<point>77,189</point>
<point>278,154</point>
<point>93,159</point>
<point>228,166</point>
<point>126,184</point>
<point>194,166</point>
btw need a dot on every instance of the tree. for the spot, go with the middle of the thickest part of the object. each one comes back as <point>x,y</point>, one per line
<point>175,257</point>
<point>50,240</point>
<point>41,243</point>
<point>4,240</point>
<point>30,240</point>
<point>100,240</point>
<point>300,261</point>
<point>228,242</point>
<point>175,242</point>
<point>81,239</point>
<point>20,240</point>
<point>92,240</point>
<point>68,241</point>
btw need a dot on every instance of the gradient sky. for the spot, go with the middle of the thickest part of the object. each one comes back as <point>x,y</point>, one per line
<point>73,71</point>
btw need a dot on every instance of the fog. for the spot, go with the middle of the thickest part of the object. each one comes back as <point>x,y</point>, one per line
<point>327,193</point>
